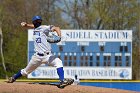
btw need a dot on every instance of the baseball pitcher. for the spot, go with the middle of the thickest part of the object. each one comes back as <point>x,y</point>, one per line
<point>42,49</point>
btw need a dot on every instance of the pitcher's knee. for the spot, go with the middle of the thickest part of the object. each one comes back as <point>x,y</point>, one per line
<point>58,63</point>
<point>23,72</point>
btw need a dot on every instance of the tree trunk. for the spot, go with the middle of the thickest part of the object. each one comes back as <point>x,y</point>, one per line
<point>1,52</point>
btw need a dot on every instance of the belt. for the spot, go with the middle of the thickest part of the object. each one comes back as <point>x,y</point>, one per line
<point>42,54</point>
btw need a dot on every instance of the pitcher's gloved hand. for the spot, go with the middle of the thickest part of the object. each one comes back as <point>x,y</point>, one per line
<point>53,39</point>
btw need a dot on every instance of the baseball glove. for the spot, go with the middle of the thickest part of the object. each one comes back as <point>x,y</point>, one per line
<point>53,38</point>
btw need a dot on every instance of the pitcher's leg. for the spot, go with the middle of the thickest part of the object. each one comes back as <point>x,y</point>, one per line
<point>30,67</point>
<point>59,66</point>
<point>33,64</point>
<point>56,62</point>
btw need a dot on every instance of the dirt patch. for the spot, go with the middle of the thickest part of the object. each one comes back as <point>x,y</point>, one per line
<point>25,87</point>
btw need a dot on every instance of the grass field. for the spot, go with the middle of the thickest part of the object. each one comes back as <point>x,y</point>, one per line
<point>54,80</point>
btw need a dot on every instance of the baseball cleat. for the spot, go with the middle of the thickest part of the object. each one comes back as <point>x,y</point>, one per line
<point>11,80</point>
<point>66,82</point>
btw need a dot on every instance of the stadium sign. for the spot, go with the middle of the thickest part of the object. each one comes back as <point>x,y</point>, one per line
<point>90,54</point>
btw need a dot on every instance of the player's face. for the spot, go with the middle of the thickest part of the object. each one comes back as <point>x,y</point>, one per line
<point>37,23</point>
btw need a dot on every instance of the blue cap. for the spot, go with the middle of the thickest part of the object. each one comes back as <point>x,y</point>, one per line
<point>36,18</point>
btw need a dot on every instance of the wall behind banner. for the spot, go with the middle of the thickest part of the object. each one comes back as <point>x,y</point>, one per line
<point>91,54</point>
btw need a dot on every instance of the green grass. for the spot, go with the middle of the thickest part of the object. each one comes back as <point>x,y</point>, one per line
<point>54,80</point>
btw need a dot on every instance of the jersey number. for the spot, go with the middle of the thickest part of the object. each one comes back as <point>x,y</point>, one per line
<point>38,40</point>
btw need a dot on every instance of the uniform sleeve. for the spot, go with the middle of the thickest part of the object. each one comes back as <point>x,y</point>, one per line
<point>51,26</point>
<point>48,28</point>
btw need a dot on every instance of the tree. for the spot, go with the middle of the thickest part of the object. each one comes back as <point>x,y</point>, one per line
<point>1,52</point>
